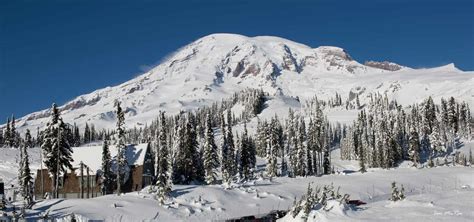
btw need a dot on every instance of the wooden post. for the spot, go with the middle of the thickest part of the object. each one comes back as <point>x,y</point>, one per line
<point>82,180</point>
<point>88,183</point>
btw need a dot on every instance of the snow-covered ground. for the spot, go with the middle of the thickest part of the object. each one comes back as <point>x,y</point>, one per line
<point>433,194</point>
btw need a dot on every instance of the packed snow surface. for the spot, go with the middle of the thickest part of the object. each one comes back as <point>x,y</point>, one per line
<point>433,194</point>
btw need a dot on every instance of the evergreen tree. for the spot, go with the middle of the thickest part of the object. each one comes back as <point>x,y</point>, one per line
<point>292,142</point>
<point>362,161</point>
<point>20,167</point>
<point>226,169</point>
<point>301,152</point>
<point>327,161</point>
<point>470,157</point>
<point>25,178</point>
<point>210,153</point>
<point>452,115</point>
<point>274,144</point>
<point>106,175</point>
<point>87,134</point>
<point>6,134</point>
<point>77,136</point>
<point>57,152</point>
<point>14,138</point>
<point>2,142</point>
<point>28,139</point>
<point>464,120</point>
<point>197,172</point>
<point>188,166</point>
<point>429,115</point>
<point>10,137</point>
<point>394,196</point>
<point>444,112</point>
<point>358,102</point>
<point>92,133</point>
<point>231,157</point>
<point>414,147</point>
<point>120,144</point>
<point>311,148</point>
<point>437,145</point>
<point>163,175</point>
<point>397,195</point>
<point>245,156</point>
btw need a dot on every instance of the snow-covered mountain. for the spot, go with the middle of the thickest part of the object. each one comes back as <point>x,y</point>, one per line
<point>218,65</point>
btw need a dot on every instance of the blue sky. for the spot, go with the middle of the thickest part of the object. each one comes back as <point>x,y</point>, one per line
<point>53,51</point>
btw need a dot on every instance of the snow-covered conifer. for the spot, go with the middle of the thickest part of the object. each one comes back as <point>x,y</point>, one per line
<point>245,156</point>
<point>25,178</point>
<point>163,180</point>
<point>210,157</point>
<point>120,144</point>
<point>106,174</point>
<point>56,149</point>
<point>414,147</point>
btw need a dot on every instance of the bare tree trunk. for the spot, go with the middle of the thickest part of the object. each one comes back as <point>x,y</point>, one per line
<point>57,165</point>
<point>88,183</point>
<point>82,181</point>
<point>118,177</point>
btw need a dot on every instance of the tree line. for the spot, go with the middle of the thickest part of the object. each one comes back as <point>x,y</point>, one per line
<point>385,133</point>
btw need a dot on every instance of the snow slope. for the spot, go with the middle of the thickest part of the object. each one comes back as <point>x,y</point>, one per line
<point>218,65</point>
<point>436,194</point>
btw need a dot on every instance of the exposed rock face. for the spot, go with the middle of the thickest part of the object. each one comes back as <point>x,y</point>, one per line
<point>218,65</point>
<point>385,65</point>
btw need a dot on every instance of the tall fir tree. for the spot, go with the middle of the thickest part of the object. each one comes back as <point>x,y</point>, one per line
<point>106,174</point>
<point>56,149</point>
<point>163,181</point>
<point>92,133</point>
<point>429,115</point>
<point>225,155</point>
<point>188,164</point>
<point>14,138</point>
<point>29,143</point>
<point>77,136</point>
<point>452,115</point>
<point>87,134</point>
<point>121,148</point>
<point>210,153</point>
<point>414,147</point>
<point>6,134</point>
<point>301,167</point>
<point>245,156</point>
<point>230,144</point>
<point>274,144</point>
<point>25,177</point>
<point>327,161</point>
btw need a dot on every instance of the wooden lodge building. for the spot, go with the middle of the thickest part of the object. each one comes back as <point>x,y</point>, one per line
<point>87,163</point>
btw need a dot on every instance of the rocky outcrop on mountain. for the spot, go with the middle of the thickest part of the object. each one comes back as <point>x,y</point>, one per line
<point>385,65</point>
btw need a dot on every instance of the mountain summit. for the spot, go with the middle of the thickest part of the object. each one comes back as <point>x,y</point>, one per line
<point>218,65</point>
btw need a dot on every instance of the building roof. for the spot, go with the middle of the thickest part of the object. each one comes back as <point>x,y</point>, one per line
<point>91,156</point>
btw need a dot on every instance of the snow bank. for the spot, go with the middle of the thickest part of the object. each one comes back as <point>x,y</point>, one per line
<point>337,212</point>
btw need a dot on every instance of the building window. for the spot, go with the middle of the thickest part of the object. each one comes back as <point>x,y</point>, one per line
<point>92,181</point>
<point>61,182</point>
<point>146,180</point>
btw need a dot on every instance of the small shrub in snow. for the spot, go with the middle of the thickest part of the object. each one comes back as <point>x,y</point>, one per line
<point>316,199</point>
<point>397,194</point>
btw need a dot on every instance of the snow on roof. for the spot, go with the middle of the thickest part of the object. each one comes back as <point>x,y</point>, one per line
<point>91,156</point>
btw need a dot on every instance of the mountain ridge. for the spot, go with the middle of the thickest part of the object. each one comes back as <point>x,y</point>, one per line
<point>217,65</point>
